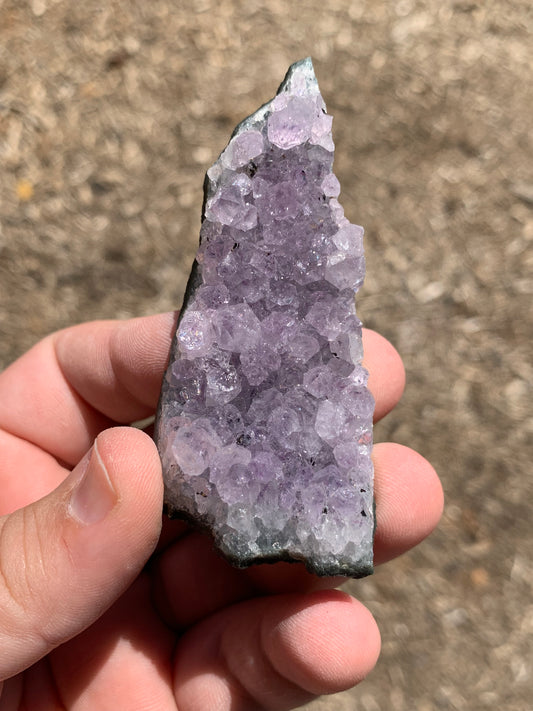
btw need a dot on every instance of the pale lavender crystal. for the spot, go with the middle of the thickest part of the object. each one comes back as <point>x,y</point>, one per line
<point>265,422</point>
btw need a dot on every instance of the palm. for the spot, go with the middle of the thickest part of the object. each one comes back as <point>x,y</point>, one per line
<point>189,632</point>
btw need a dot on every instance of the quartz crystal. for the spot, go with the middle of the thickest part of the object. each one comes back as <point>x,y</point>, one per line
<point>264,424</point>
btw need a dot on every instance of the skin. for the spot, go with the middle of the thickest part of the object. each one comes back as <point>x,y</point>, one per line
<point>103,607</point>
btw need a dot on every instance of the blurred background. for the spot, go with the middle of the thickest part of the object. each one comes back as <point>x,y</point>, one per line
<point>110,113</point>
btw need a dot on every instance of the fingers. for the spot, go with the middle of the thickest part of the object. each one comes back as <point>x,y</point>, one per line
<point>88,377</point>
<point>123,661</point>
<point>83,380</point>
<point>121,374</point>
<point>19,463</point>
<point>409,500</point>
<point>386,379</point>
<point>192,581</point>
<point>409,503</point>
<point>275,653</point>
<point>67,557</point>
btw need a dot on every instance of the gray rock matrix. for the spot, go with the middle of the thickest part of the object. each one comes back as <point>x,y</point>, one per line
<point>264,424</point>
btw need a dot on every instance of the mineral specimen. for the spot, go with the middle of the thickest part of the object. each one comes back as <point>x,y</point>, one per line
<point>264,425</point>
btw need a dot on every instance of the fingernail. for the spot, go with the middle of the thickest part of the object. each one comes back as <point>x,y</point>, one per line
<point>93,497</point>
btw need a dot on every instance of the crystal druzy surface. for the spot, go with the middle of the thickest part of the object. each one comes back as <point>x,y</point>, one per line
<point>264,424</point>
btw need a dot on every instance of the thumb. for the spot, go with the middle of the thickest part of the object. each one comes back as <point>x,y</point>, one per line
<point>67,557</point>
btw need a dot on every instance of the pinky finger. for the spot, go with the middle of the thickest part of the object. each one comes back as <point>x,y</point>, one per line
<point>275,653</point>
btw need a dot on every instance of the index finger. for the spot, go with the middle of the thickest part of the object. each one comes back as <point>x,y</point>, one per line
<point>77,382</point>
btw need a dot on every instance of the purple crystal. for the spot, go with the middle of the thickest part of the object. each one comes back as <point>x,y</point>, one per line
<point>264,424</point>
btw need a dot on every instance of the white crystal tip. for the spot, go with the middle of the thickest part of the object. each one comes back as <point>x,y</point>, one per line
<point>300,79</point>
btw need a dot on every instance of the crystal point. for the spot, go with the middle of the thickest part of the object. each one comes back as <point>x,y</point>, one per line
<point>264,425</point>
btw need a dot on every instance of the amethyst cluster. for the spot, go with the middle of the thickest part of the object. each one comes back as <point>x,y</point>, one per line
<point>264,425</point>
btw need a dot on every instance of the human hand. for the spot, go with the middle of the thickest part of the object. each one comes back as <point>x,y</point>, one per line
<point>101,609</point>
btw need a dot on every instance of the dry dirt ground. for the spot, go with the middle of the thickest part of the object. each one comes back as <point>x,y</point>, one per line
<point>110,112</point>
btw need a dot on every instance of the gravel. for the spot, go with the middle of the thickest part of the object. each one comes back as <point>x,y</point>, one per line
<point>110,114</point>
